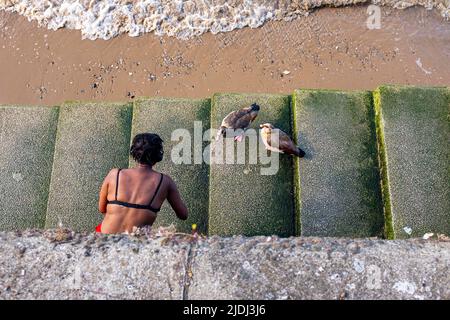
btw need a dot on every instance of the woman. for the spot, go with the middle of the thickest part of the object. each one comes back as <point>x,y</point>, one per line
<point>132,197</point>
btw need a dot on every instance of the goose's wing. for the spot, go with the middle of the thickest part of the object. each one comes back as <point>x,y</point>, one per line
<point>285,143</point>
<point>240,119</point>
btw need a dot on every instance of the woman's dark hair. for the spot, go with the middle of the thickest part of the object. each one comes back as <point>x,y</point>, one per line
<point>147,148</point>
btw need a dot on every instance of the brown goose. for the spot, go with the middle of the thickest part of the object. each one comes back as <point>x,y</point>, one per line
<point>240,119</point>
<point>285,145</point>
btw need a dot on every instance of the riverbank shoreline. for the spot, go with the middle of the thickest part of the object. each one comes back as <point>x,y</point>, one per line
<point>332,48</point>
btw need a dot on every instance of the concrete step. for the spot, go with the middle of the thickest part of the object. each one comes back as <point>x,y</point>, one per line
<point>27,137</point>
<point>414,131</point>
<point>242,200</point>
<point>338,180</point>
<point>92,138</point>
<point>53,161</point>
<point>164,116</point>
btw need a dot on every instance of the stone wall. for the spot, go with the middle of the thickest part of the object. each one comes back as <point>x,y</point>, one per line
<point>62,264</point>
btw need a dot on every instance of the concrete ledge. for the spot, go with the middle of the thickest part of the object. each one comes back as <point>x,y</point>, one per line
<point>92,138</point>
<point>242,200</point>
<point>163,116</point>
<point>27,138</point>
<point>61,264</point>
<point>338,180</point>
<point>414,136</point>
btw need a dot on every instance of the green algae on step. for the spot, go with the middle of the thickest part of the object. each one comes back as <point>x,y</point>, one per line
<point>338,180</point>
<point>415,129</point>
<point>92,138</point>
<point>27,138</point>
<point>164,116</point>
<point>242,200</point>
<point>382,163</point>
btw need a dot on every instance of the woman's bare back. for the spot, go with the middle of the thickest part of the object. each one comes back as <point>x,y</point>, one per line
<point>137,186</point>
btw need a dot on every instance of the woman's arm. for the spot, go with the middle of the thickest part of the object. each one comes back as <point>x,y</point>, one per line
<point>174,198</point>
<point>104,194</point>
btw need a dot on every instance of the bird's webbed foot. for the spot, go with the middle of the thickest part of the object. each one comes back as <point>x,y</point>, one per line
<point>239,137</point>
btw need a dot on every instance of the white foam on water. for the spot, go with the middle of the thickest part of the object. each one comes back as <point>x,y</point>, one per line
<point>184,19</point>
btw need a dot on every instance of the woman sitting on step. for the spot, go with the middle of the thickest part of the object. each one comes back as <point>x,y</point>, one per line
<point>132,197</point>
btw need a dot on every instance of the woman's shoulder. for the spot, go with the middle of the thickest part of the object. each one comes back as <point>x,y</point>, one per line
<point>112,175</point>
<point>168,179</point>
<point>114,171</point>
<point>163,175</point>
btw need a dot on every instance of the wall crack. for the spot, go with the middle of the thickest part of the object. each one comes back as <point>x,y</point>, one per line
<point>188,275</point>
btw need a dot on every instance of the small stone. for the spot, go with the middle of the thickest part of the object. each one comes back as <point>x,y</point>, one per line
<point>358,265</point>
<point>17,176</point>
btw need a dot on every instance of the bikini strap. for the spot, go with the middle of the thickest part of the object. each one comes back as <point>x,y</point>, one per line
<point>117,182</point>
<point>157,189</point>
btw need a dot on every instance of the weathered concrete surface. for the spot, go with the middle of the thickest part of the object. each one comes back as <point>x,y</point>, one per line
<point>60,264</point>
<point>67,265</point>
<point>414,130</point>
<point>27,138</point>
<point>242,200</point>
<point>91,140</point>
<point>320,268</point>
<point>164,116</point>
<point>339,185</point>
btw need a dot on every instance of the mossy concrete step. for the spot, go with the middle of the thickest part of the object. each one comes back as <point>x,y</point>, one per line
<point>414,132</point>
<point>242,200</point>
<point>165,116</point>
<point>92,138</point>
<point>338,180</point>
<point>27,137</point>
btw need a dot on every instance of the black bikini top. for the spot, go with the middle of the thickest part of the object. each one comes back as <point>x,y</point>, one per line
<point>133,205</point>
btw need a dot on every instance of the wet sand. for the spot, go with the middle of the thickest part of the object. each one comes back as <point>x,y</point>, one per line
<point>331,48</point>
